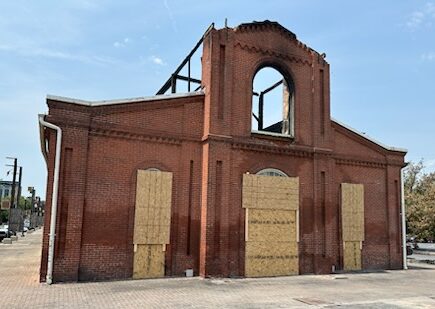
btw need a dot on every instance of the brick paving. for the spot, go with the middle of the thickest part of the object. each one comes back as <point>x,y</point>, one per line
<point>19,288</point>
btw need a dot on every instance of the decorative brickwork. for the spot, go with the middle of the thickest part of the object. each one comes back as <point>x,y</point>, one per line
<point>205,141</point>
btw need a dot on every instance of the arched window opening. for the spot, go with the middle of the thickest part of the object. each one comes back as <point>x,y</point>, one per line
<point>272,172</point>
<point>272,102</point>
<point>152,169</point>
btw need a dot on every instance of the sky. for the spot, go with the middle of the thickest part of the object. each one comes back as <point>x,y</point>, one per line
<point>381,56</point>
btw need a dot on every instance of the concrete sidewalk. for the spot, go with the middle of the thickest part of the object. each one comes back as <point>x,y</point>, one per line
<point>19,288</point>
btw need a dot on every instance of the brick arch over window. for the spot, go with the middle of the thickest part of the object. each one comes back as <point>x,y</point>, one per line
<point>153,169</point>
<point>271,172</point>
<point>283,125</point>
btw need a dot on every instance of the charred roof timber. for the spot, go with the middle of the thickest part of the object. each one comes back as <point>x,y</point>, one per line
<point>171,83</point>
<point>260,95</point>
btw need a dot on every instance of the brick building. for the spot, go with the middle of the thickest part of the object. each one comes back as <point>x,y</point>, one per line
<point>154,186</point>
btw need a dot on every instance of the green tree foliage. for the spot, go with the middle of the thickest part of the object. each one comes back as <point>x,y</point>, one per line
<point>24,203</point>
<point>3,216</point>
<point>4,213</point>
<point>420,201</point>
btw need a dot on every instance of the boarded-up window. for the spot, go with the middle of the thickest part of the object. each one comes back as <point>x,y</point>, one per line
<point>271,234</point>
<point>352,218</point>
<point>151,223</point>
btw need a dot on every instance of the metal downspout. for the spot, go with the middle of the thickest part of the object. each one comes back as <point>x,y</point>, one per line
<point>53,215</point>
<point>402,206</point>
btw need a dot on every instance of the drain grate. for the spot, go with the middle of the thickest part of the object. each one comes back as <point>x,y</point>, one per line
<point>339,277</point>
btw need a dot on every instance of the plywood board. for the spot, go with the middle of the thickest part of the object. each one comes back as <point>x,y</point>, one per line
<point>151,223</point>
<point>271,225</point>
<point>149,261</point>
<point>352,211</point>
<point>153,207</point>
<point>263,259</point>
<point>270,192</point>
<point>352,255</point>
<point>271,204</point>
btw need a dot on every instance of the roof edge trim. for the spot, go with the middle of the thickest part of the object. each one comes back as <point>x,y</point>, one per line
<point>365,136</point>
<point>124,101</point>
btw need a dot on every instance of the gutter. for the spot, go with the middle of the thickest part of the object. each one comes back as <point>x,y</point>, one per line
<point>125,101</point>
<point>42,139</point>
<point>402,210</point>
<point>53,215</point>
<point>365,136</point>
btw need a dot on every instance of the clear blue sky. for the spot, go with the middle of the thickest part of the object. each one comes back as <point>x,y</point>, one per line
<point>382,57</point>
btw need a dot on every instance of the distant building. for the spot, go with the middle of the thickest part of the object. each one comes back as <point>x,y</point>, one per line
<point>6,189</point>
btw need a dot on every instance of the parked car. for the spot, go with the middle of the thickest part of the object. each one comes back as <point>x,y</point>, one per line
<point>4,232</point>
<point>409,250</point>
<point>412,242</point>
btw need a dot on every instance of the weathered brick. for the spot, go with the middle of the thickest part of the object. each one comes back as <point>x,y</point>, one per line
<point>206,142</point>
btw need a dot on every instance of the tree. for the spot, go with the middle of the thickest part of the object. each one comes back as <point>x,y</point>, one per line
<point>420,201</point>
<point>24,203</point>
<point>3,216</point>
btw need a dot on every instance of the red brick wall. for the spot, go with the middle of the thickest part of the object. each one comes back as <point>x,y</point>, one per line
<point>206,142</point>
<point>106,153</point>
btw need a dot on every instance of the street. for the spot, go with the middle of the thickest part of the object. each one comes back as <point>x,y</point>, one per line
<point>423,257</point>
<point>20,288</point>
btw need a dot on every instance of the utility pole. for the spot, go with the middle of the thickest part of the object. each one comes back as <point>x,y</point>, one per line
<point>12,193</point>
<point>19,186</point>
<point>32,191</point>
<point>13,182</point>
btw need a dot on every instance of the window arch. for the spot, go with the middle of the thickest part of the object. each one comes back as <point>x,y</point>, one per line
<point>272,102</point>
<point>271,172</point>
<point>153,169</point>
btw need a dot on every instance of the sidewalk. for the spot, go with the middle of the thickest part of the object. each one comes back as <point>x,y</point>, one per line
<point>19,264</point>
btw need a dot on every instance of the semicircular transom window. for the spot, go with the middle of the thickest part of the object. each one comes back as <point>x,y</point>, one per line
<point>272,172</point>
<point>152,169</point>
<point>272,103</point>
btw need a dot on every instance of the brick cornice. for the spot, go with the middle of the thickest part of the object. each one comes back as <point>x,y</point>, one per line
<point>271,26</point>
<point>342,159</point>
<point>261,145</point>
<point>292,151</point>
<point>273,53</point>
<point>125,132</point>
<point>135,136</point>
<point>359,162</point>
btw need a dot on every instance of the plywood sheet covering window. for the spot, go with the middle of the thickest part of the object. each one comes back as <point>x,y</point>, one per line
<point>151,223</point>
<point>352,255</point>
<point>352,216</point>
<point>270,225</point>
<point>269,192</point>
<point>153,207</point>
<point>266,259</point>
<point>352,211</point>
<point>271,247</point>
<point>149,261</point>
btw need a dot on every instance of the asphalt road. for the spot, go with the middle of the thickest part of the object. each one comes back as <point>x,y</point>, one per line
<point>427,246</point>
<point>422,257</point>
